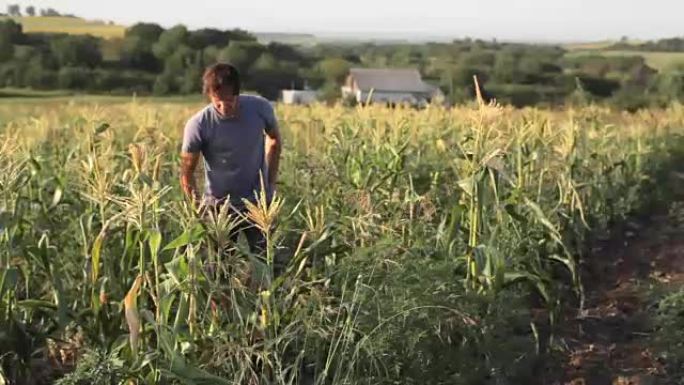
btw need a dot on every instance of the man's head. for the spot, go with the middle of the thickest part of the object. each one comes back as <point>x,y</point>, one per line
<point>222,86</point>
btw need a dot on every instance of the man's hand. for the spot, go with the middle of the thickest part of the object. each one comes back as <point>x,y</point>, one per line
<point>187,174</point>
<point>274,144</point>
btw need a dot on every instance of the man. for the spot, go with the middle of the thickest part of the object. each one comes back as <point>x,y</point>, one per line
<point>238,137</point>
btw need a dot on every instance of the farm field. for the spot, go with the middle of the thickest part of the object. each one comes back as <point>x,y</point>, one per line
<point>69,25</point>
<point>435,246</point>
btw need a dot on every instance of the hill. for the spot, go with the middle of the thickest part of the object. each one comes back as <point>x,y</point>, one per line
<point>286,38</point>
<point>69,25</point>
<point>657,60</point>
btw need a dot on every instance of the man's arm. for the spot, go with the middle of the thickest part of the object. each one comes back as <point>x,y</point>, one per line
<point>187,173</point>
<point>274,144</point>
<point>190,152</point>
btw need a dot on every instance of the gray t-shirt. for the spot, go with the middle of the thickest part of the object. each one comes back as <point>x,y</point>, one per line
<point>233,149</point>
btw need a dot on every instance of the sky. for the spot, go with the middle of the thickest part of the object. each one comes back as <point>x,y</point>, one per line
<point>518,20</point>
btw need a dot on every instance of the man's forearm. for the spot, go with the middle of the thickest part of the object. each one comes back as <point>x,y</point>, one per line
<point>187,174</point>
<point>188,185</point>
<point>273,162</point>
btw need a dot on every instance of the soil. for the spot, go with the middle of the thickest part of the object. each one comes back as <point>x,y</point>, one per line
<point>610,341</point>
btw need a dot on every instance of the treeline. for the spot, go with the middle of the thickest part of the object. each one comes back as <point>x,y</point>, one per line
<point>14,10</point>
<point>675,44</point>
<point>152,60</point>
<point>523,74</point>
<point>149,59</point>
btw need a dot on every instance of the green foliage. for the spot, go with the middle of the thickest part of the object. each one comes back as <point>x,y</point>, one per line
<point>137,53</point>
<point>669,335</point>
<point>205,37</point>
<point>10,34</point>
<point>241,54</point>
<point>164,84</point>
<point>96,367</point>
<point>520,74</point>
<point>170,40</point>
<point>631,99</point>
<point>675,44</point>
<point>11,31</point>
<point>334,69</point>
<point>409,246</point>
<point>76,51</point>
<point>147,32</point>
<point>73,77</point>
<point>670,85</point>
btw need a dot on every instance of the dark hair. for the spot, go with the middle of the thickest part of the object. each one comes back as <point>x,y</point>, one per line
<point>221,75</point>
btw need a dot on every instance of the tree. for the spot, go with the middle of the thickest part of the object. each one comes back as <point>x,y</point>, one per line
<point>49,12</point>
<point>330,92</point>
<point>241,54</point>
<point>285,52</point>
<point>670,84</point>
<point>31,10</point>
<point>192,80</point>
<point>11,31</point>
<point>265,63</point>
<point>268,76</point>
<point>14,10</point>
<point>240,35</point>
<point>164,84</point>
<point>74,78</point>
<point>10,34</point>
<point>170,40</point>
<point>146,32</point>
<point>506,68</point>
<point>137,53</point>
<point>179,60</point>
<point>334,70</point>
<point>6,50</point>
<point>210,54</point>
<point>478,59</point>
<point>206,37</point>
<point>76,51</point>
<point>234,55</point>
<point>35,74</point>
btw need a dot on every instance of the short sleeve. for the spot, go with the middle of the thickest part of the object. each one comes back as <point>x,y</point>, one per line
<point>192,140</point>
<point>268,114</point>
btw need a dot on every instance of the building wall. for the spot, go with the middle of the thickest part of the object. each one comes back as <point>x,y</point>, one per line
<point>299,96</point>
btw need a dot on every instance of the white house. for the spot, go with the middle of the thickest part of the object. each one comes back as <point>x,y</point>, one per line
<point>386,85</point>
<point>299,96</point>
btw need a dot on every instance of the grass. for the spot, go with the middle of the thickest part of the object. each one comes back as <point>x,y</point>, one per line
<point>69,25</point>
<point>410,246</point>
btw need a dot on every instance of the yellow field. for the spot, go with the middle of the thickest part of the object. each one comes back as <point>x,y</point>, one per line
<point>594,45</point>
<point>70,25</point>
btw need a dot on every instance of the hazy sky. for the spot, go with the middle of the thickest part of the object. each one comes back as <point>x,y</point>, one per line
<point>541,20</point>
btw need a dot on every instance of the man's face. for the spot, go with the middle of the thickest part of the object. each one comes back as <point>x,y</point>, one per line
<point>225,102</point>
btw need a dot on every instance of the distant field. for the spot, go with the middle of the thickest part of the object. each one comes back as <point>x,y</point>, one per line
<point>594,45</point>
<point>70,25</point>
<point>657,60</point>
<point>32,97</point>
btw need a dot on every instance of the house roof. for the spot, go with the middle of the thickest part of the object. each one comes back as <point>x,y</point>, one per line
<point>392,80</point>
